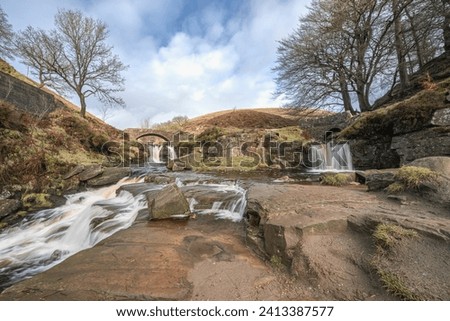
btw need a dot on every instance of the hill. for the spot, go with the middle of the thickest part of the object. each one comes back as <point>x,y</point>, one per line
<point>255,118</point>
<point>38,149</point>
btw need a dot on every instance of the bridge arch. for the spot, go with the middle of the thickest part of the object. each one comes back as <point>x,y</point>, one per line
<point>153,134</point>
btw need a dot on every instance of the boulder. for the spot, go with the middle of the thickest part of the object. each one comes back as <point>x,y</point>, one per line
<point>379,179</point>
<point>90,172</point>
<point>439,164</point>
<point>168,203</point>
<point>110,176</point>
<point>9,207</point>
<point>438,191</point>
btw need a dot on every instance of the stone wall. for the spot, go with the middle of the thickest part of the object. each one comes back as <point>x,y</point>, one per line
<point>26,97</point>
<point>318,126</point>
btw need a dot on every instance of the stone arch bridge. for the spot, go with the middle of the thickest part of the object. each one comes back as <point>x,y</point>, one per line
<point>173,137</point>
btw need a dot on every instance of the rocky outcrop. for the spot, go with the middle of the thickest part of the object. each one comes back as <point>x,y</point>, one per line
<point>439,190</point>
<point>89,172</point>
<point>109,176</point>
<point>159,179</point>
<point>325,236</point>
<point>392,137</point>
<point>168,203</point>
<point>97,175</point>
<point>428,142</point>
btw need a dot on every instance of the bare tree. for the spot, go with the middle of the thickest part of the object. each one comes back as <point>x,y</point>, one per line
<point>146,123</point>
<point>106,111</point>
<point>349,51</point>
<point>312,62</point>
<point>6,36</point>
<point>74,57</point>
<point>37,51</point>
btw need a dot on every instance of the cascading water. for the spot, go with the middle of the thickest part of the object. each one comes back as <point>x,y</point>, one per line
<point>48,237</point>
<point>331,157</point>
<point>171,152</point>
<point>155,154</point>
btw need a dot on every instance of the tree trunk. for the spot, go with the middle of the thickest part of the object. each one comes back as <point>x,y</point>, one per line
<point>82,105</point>
<point>345,95</point>
<point>400,47</point>
<point>417,42</point>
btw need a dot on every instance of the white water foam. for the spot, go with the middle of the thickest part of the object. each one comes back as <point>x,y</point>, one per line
<point>50,236</point>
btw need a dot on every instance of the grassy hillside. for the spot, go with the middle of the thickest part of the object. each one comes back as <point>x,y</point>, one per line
<point>36,152</point>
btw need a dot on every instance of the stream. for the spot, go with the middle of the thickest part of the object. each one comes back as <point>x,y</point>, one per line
<point>46,238</point>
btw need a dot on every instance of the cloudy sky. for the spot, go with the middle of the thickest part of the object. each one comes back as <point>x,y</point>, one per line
<point>185,57</point>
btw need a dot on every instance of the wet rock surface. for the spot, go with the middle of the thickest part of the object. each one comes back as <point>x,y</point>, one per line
<point>298,242</point>
<point>201,259</point>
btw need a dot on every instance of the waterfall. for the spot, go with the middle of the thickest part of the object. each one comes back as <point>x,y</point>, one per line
<point>172,153</point>
<point>155,153</point>
<point>50,236</point>
<point>225,201</point>
<point>331,157</point>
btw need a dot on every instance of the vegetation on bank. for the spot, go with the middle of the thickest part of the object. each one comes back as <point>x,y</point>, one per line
<point>335,179</point>
<point>387,238</point>
<point>36,152</point>
<point>411,178</point>
<point>408,115</point>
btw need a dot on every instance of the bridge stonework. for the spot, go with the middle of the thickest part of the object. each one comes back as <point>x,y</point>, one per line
<point>137,133</point>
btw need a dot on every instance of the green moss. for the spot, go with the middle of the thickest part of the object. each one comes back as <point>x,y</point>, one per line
<point>338,179</point>
<point>36,200</point>
<point>276,261</point>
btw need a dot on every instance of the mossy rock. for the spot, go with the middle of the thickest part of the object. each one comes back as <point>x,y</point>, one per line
<point>36,201</point>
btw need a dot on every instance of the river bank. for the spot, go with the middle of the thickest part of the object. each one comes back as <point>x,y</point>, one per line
<point>299,242</point>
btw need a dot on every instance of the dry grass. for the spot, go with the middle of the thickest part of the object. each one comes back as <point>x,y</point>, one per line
<point>387,235</point>
<point>409,115</point>
<point>338,179</point>
<point>411,178</point>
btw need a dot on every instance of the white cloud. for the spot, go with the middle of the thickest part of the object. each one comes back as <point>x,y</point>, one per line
<point>184,65</point>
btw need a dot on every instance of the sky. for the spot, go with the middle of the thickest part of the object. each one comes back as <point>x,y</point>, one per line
<point>185,57</point>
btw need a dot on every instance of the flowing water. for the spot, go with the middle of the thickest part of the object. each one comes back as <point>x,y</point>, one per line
<point>155,154</point>
<point>48,237</point>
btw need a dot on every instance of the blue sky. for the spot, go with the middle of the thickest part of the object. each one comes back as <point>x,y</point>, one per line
<point>185,57</point>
